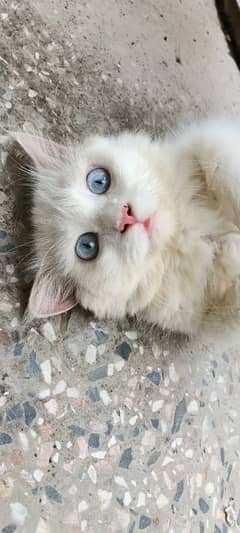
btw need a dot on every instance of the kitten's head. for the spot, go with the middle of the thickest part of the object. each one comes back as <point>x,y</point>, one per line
<point>101,219</point>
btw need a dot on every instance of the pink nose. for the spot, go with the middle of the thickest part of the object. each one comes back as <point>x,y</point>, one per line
<point>127,218</point>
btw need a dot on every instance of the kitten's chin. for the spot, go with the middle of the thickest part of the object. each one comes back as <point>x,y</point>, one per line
<point>110,310</point>
<point>137,243</point>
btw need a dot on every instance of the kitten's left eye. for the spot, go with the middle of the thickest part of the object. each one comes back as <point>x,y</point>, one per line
<point>98,180</point>
<point>87,246</point>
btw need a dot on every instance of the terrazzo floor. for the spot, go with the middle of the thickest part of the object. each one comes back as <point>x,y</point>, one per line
<point>104,428</point>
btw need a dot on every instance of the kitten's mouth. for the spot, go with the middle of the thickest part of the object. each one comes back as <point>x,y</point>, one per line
<point>128,219</point>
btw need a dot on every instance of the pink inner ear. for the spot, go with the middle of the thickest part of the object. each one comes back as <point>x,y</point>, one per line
<point>49,298</point>
<point>39,149</point>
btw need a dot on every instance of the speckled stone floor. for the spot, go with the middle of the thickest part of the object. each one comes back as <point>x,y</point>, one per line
<point>104,428</point>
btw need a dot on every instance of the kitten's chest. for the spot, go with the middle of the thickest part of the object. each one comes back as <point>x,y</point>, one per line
<point>179,302</point>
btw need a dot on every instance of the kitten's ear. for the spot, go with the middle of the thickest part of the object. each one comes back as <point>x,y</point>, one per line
<point>41,150</point>
<point>50,296</point>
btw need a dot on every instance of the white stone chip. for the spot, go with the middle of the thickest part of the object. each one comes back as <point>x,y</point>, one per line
<point>112,441</point>
<point>149,439</point>
<point>120,481</point>
<point>52,407</point>
<point>141,501</point>
<point>189,453</point>
<point>33,433</point>
<point>192,407</point>
<point>105,397</point>
<point>119,365</point>
<point>92,474</point>
<point>167,480</point>
<point>110,369</point>
<point>55,457</point>
<point>157,405</point>
<point>82,506</point>
<point>46,369</point>
<point>100,454</point>
<point>127,499</point>
<point>105,498</point>
<point>32,93</point>
<point>49,332</point>
<point>162,501</point>
<point>209,489</point>
<point>19,513</point>
<point>73,392</point>
<point>59,388</point>
<point>213,396</point>
<point>133,420</point>
<point>23,441</point>
<point>132,335</point>
<point>167,460</point>
<point>44,393</point>
<point>3,400</point>
<point>83,447</point>
<point>91,354</point>
<point>38,475</point>
<point>10,269</point>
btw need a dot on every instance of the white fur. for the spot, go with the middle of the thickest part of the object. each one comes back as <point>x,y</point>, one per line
<point>184,273</point>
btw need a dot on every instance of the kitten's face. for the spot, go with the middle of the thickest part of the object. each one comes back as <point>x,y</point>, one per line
<point>101,221</point>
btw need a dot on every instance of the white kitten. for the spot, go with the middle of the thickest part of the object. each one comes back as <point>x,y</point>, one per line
<point>128,225</point>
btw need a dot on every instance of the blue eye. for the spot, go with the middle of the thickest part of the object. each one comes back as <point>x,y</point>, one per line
<point>87,246</point>
<point>98,180</point>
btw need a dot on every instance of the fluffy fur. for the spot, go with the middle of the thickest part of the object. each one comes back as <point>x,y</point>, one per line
<point>183,274</point>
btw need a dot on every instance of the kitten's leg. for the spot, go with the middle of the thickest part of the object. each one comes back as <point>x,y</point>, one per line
<point>222,311</point>
<point>215,146</point>
<point>225,277</point>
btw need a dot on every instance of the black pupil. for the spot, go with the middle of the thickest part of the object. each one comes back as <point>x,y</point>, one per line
<point>87,246</point>
<point>98,180</point>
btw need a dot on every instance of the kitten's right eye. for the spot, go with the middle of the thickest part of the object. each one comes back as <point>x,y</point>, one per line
<point>87,246</point>
<point>98,180</point>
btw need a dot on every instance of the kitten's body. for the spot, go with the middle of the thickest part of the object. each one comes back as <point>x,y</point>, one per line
<point>181,273</point>
<point>197,277</point>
